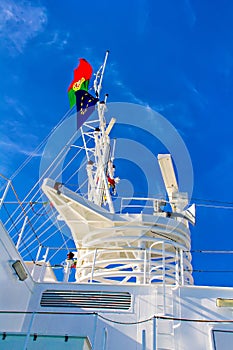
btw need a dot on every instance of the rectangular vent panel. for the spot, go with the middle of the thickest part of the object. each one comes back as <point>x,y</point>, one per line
<point>86,299</point>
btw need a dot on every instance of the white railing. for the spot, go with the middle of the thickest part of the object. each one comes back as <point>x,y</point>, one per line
<point>127,255</point>
<point>140,266</point>
<point>153,265</point>
<point>150,205</point>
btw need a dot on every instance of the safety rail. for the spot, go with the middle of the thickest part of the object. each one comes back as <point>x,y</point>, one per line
<point>143,266</point>
<point>143,205</point>
<point>135,266</point>
<point>126,256</point>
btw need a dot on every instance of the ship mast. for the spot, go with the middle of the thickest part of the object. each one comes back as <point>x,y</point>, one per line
<point>99,167</point>
<point>131,246</point>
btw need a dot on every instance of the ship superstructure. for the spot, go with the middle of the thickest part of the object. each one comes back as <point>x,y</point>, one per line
<point>126,279</point>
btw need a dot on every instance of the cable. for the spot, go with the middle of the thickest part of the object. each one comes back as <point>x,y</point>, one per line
<point>154,317</point>
<point>210,251</point>
<point>18,234</point>
<point>17,171</point>
<point>214,206</point>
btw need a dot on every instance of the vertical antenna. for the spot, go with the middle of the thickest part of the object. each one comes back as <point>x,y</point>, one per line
<point>97,170</point>
<point>100,73</point>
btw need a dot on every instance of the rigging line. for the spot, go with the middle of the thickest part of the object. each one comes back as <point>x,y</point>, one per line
<point>212,201</point>
<point>139,249</point>
<point>64,243</point>
<point>52,234</point>
<point>62,235</point>
<point>161,196</point>
<point>37,185</point>
<point>104,249</point>
<point>35,223</point>
<point>35,248</point>
<point>207,271</point>
<point>50,216</point>
<point>214,206</point>
<point>212,251</point>
<point>21,218</point>
<point>27,160</point>
<point>81,186</point>
<point>69,248</point>
<point>24,212</point>
<point>11,219</point>
<point>17,220</point>
<point>46,172</point>
<point>41,211</point>
<point>72,159</point>
<point>39,236</point>
<point>67,181</point>
<point>62,170</point>
<point>44,223</point>
<point>84,163</point>
<point>38,218</point>
<point>22,240</point>
<point>39,228</point>
<point>28,202</point>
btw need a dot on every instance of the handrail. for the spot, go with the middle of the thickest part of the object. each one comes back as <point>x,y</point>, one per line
<point>155,203</point>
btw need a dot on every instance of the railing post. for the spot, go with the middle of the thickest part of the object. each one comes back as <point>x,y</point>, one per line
<point>145,264</point>
<point>37,258</point>
<point>44,265</point>
<point>21,232</point>
<point>164,278</point>
<point>93,266</point>
<point>143,339</point>
<point>154,332</point>
<point>177,268</point>
<point>5,192</point>
<point>182,266</point>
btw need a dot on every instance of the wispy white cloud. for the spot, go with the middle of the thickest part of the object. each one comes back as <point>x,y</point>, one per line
<point>10,146</point>
<point>58,39</point>
<point>131,97</point>
<point>18,139</point>
<point>20,21</point>
<point>194,94</point>
<point>124,88</point>
<point>163,107</point>
<point>15,104</point>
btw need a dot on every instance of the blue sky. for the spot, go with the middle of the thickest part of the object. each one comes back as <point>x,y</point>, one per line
<point>173,56</point>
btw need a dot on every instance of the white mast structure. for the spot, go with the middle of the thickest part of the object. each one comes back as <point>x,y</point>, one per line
<point>133,286</point>
<point>116,247</point>
<point>100,166</point>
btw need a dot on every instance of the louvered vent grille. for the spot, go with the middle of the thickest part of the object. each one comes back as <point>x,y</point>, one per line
<point>86,299</point>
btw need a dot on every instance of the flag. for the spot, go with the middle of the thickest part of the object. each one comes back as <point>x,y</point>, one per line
<point>85,103</point>
<point>82,75</point>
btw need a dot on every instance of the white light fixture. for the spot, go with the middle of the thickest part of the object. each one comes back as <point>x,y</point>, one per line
<point>20,270</point>
<point>223,302</point>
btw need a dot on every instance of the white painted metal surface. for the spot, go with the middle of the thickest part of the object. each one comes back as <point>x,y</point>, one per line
<point>127,282</point>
